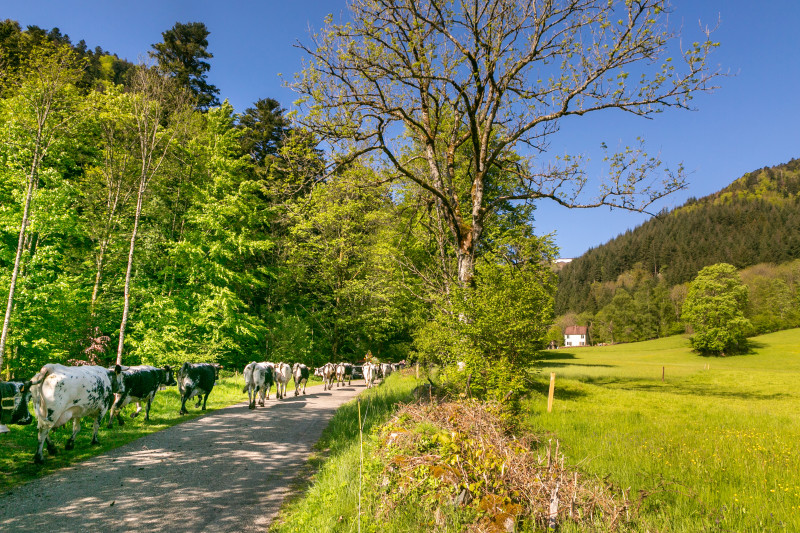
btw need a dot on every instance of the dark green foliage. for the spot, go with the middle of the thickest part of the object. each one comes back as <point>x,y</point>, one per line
<point>182,54</point>
<point>754,220</point>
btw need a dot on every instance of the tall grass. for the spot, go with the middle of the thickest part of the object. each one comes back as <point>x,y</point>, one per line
<point>18,446</point>
<point>716,445</point>
<point>329,499</point>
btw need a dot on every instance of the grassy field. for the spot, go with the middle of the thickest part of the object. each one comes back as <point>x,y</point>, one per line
<point>716,444</point>
<point>18,446</point>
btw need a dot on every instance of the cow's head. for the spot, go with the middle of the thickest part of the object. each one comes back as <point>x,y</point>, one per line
<point>14,397</point>
<point>169,376</point>
<point>217,368</point>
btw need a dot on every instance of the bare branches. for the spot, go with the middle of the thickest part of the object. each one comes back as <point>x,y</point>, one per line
<point>464,84</point>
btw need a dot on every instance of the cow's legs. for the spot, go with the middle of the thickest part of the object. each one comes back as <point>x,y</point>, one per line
<point>261,401</point>
<point>205,399</point>
<point>251,397</point>
<point>139,410</point>
<point>38,457</point>
<point>76,427</point>
<point>115,410</point>
<point>183,410</point>
<point>96,429</point>
<point>147,408</point>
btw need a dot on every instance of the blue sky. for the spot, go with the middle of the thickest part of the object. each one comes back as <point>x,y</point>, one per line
<point>752,121</point>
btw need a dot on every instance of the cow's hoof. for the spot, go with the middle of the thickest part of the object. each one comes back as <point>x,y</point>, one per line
<point>51,449</point>
<point>121,422</point>
<point>38,459</point>
<point>251,406</point>
<point>94,442</point>
<point>182,412</point>
<point>69,445</point>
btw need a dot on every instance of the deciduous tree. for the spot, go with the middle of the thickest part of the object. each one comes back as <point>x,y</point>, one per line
<point>714,307</point>
<point>463,86</point>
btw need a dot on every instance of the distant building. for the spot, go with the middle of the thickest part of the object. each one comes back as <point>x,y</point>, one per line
<point>576,336</point>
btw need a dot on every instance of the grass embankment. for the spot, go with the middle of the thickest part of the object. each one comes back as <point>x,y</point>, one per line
<point>18,446</point>
<point>330,499</point>
<point>716,444</point>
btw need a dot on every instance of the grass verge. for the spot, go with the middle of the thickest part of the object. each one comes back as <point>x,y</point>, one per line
<point>18,446</point>
<point>329,500</point>
<point>715,445</point>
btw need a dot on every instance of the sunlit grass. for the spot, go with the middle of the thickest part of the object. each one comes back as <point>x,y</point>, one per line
<point>717,442</point>
<point>17,448</point>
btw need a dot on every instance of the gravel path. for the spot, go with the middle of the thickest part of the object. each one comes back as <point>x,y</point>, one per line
<point>227,471</point>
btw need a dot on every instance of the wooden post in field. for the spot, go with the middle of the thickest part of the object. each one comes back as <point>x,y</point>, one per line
<point>662,373</point>
<point>552,391</point>
<point>417,369</point>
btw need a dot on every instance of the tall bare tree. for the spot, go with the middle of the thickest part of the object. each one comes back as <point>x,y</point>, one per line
<point>461,85</point>
<point>160,113</point>
<point>42,110</point>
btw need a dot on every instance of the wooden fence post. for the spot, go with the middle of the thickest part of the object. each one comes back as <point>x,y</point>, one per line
<point>662,373</point>
<point>552,391</point>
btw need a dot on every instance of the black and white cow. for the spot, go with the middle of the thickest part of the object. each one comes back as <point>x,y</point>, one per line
<point>258,380</point>
<point>196,379</point>
<point>63,393</point>
<point>328,373</point>
<point>300,375</point>
<point>14,398</point>
<point>344,371</point>
<point>140,384</point>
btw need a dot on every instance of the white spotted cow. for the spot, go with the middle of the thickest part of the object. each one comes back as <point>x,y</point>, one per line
<point>258,379</point>
<point>328,374</point>
<point>283,373</point>
<point>300,375</point>
<point>63,393</point>
<point>385,370</point>
<point>370,371</point>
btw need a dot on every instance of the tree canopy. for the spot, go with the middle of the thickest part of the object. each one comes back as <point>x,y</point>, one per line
<point>449,94</point>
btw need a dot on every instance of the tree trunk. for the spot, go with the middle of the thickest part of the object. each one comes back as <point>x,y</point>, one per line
<point>127,303</point>
<point>18,257</point>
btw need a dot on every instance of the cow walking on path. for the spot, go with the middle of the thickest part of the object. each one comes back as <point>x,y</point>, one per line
<point>196,379</point>
<point>63,393</point>
<point>139,384</point>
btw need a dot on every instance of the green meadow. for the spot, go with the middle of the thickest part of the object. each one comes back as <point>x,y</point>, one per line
<point>715,446</point>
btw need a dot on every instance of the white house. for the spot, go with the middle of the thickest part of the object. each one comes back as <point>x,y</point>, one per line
<point>576,336</point>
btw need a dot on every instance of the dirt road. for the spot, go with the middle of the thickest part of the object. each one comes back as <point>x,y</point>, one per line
<point>226,471</point>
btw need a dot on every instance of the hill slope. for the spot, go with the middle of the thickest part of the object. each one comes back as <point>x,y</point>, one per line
<point>754,220</point>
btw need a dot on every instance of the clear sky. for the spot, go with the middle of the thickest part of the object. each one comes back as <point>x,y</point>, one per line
<point>751,121</point>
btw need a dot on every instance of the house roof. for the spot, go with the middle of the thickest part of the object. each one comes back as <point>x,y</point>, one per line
<point>576,330</point>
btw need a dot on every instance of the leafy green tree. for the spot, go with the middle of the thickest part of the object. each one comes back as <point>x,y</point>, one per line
<point>460,87</point>
<point>498,325</point>
<point>182,54</point>
<point>714,307</point>
<point>38,118</point>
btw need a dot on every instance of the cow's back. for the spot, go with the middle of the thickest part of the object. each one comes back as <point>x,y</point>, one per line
<point>81,391</point>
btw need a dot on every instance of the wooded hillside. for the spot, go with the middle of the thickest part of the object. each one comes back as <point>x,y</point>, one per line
<point>754,220</point>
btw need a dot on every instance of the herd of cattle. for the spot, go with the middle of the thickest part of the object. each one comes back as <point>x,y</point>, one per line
<point>63,393</point>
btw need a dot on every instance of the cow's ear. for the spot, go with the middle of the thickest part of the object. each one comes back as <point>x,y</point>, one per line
<point>117,369</point>
<point>26,386</point>
<point>167,368</point>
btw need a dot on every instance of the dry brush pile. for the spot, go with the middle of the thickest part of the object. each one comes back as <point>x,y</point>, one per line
<point>460,462</point>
